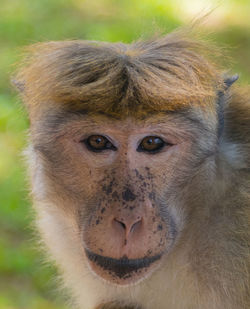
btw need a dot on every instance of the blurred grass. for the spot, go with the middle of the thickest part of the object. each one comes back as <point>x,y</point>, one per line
<point>24,281</point>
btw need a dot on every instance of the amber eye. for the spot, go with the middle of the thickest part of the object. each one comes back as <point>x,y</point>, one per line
<point>151,144</point>
<point>98,143</point>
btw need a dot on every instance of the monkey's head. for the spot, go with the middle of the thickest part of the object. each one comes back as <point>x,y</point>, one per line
<point>119,134</point>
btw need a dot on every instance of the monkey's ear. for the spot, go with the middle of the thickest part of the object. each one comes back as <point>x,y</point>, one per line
<point>230,80</point>
<point>222,102</point>
<point>19,85</point>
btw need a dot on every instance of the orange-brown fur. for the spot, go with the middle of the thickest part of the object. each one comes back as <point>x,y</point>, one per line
<point>167,87</point>
<point>118,78</point>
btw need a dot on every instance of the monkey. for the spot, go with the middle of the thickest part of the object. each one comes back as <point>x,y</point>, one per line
<point>139,160</point>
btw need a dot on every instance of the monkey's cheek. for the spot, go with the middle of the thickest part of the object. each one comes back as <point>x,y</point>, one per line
<point>123,271</point>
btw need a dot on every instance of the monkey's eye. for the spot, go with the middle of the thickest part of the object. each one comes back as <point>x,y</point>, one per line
<point>98,143</point>
<point>151,144</point>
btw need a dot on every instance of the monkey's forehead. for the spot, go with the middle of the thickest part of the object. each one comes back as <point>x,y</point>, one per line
<point>178,124</point>
<point>120,79</point>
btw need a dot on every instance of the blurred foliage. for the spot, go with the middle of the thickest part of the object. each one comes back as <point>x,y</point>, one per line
<point>24,281</point>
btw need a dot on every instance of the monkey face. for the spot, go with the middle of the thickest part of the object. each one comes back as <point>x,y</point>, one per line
<point>139,160</point>
<point>119,181</point>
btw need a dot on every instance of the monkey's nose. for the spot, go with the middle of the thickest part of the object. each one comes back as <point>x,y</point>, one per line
<point>127,225</point>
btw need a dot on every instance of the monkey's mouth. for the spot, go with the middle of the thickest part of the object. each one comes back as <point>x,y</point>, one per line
<point>122,270</point>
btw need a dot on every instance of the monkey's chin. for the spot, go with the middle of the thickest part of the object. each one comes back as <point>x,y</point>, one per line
<point>122,271</point>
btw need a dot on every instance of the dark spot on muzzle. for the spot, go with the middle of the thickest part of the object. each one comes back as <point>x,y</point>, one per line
<point>128,195</point>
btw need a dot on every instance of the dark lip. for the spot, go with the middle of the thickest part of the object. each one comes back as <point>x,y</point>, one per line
<point>123,267</point>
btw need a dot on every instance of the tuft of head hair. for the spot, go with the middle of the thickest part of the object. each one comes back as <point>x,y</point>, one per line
<point>120,79</point>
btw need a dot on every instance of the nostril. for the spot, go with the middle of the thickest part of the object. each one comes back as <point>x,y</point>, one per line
<point>136,225</point>
<point>129,226</point>
<point>120,223</point>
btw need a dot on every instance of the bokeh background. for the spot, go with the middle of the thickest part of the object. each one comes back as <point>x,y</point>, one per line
<point>25,281</point>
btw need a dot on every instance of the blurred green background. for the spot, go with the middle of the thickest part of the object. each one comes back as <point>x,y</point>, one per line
<point>25,282</point>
